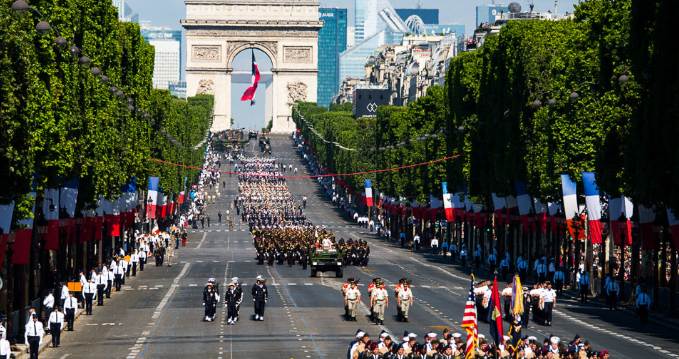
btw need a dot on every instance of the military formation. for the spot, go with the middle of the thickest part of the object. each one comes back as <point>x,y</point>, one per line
<point>378,298</point>
<point>282,233</point>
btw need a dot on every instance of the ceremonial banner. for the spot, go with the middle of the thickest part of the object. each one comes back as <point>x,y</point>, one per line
<point>152,199</point>
<point>368,192</point>
<point>593,206</point>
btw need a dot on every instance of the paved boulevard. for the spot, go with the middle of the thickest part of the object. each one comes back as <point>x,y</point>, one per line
<point>159,314</point>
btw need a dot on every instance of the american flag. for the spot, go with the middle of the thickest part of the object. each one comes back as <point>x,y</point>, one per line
<point>470,324</point>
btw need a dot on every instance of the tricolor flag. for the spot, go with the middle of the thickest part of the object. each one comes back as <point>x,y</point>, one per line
<point>6,212</point>
<point>250,92</point>
<point>617,207</point>
<point>470,324</point>
<point>162,205</point>
<point>674,226</point>
<point>593,206</point>
<point>22,239</point>
<point>495,315</point>
<point>525,205</point>
<point>570,206</point>
<point>152,198</point>
<point>500,203</point>
<point>447,202</point>
<point>182,195</point>
<point>50,208</point>
<point>368,192</point>
<point>131,201</point>
<point>646,219</point>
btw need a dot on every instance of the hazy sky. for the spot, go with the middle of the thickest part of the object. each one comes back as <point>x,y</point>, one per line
<point>167,13</point>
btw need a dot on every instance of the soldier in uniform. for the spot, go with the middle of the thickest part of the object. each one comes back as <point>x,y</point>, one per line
<point>232,299</point>
<point>379,300</point>
<point>345,287</point>
<point>210,299</point>
<point>260,296</point>
<point>404,300</point>
<point>352,297</point>
<point>371,287</point>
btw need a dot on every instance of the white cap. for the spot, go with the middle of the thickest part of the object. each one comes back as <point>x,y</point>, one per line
<point>405,339</point>
<point>457,335</point>
<point>555,340</point>
<point>532,338</point>
<point>506,338</point>
<point>431,335</point>
<point>259,277</point>
<point>360,334</point>
<point>412,335</point>
<point>481,336</point>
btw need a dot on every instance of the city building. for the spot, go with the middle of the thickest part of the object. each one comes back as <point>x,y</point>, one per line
<point>177,88</point>
<point>485,14</point>
<point>125,13</point>
<point>376,24</point>
<point>405,70</point>
<point>167,63</point>
<point>332,40</point>
<point>428,16</point>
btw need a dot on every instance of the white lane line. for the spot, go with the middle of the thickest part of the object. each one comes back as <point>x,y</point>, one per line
<point>201,241</point>
<point>173,287</point>
<point>193,285</point>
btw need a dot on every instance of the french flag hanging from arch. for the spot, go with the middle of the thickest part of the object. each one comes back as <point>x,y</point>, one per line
<point>250,92</point>
<point>368,192</point>
<point>593,206</point>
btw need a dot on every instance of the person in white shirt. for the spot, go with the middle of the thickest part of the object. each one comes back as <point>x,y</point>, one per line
<point>5,349</point>
<point>109,282</point>
<point>56,324</point>
<point>434,246</point>
<point>48,303</point>
<point>548,302</point>
<point>416,241</point>
<point>125,265</point>
<point>64,294</point>
<point>70,310</point>
<point>101,287</point>
<point>33,336</point>
<point>142,257</point>
<point>119,273</point>
<point>134,259</point>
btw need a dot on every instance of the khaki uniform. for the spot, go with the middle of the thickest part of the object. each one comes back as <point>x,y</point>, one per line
<point>352,295</point>
<point>380,299</point>
<point>405,294</point>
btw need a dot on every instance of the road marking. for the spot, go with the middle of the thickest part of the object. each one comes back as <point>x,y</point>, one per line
<point>201,241</point>
<point>292,283</point>
<point>308,284</point>
<point>193,285</point>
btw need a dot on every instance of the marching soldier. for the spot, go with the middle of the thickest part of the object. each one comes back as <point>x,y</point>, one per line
<point>371,287</point>
<point>71,309</point>
<point>548,299</point>
<point>404,301</point>
<point>345,287</point>
<point>352,297</point>
<point>379,300</point>
<point>260,296</point>
<point>232,300</point>
<point>210,298</point>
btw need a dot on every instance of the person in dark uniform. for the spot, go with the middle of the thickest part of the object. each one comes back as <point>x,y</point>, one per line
<point>56,324</point>
<point>260,295</point>
<point>89,291</point>
<point>232,299</point>
<point>33,336</point>
<point>210,298</point>
<point>71,308</point>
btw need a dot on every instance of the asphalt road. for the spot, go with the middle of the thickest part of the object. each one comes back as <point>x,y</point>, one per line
<point>159,314</point>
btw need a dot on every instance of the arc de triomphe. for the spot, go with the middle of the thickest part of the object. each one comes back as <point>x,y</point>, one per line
<point>286,30</point>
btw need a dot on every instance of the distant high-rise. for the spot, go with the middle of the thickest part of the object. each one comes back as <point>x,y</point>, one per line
<point>332,40</point>
<point>486,13</point>
<point>428,16</point>
<point>167,63</point>
<point>125,13</point>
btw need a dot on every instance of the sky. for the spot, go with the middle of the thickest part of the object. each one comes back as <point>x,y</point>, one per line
<point>167,13</point>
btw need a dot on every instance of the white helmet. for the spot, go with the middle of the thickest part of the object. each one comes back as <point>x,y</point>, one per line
<point>260,278</point>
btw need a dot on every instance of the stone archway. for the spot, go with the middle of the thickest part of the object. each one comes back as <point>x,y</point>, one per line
<point>285,30</point>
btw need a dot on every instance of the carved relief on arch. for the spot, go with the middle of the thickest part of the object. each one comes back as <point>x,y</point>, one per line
<point>206,87</point>
<point>297,91</point>
<point>233,47</point>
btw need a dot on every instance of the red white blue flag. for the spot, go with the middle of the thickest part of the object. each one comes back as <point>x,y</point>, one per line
<point>368,192</point>
<point>250,92</point>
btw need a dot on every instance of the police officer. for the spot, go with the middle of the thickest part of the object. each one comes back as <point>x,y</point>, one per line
<point>101,286</point>
<point>504,268</point>
<point>542,272</point>
<point>260,296</point>
<point>463,256</point>
<point>477,257</point>
<point>352,297</point>
<point>110,278</point>
<point>134,259</point>
<point>33,336</point>
<point>522,265</point>
<point>584,286</point>
<point>48,302</point>
<point>643,305</point>
<point>558,280</point>
<point>612,291</point>
<point>492,262</point>
<point>89,292</point>
<point>71,309</point>
<point>56,324</point>
<point>379,300</point>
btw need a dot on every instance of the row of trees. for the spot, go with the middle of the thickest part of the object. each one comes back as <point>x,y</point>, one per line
<point>588,119</point>
<point>59,120</point>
